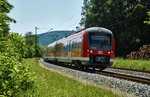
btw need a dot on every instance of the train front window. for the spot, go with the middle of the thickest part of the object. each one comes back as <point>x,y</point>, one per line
<point>100,41</point>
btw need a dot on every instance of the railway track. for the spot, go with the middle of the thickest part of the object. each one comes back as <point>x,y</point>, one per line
<point>121,74</point>
<point>131,72</point>
<point>139,76</point>
<point>125,77</point>
<point>135,70</point>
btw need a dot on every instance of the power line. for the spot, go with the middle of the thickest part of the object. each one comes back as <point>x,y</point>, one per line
<point>64,22</point>
<point>37,28</point>
<point>72,25</point>
<point>67,20</point>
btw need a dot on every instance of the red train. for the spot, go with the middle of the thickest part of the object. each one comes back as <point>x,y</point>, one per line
<point>91,47</point>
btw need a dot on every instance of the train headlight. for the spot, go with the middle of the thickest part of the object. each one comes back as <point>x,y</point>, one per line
<point>108,52</point>
<point>91,51</point>
<point>112,52</point>
<point>87,50</point>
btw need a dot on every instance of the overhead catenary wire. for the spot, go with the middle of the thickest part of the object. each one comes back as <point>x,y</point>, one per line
<point>72,25</point>
<point>68,20</point>
<point>39,28</point>
<point>64,23</point>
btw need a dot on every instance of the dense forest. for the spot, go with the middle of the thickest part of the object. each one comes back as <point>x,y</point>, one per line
<point>127,19</point>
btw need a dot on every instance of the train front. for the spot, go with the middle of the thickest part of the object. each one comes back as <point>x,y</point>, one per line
<point>98,47</point>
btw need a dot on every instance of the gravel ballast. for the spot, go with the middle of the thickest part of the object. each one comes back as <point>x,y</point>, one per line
<point>129,87</point>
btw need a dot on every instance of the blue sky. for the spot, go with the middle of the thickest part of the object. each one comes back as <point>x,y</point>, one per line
<point>56,14</point>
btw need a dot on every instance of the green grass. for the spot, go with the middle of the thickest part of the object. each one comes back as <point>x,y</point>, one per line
<point>132,64</point>
<point>52,84</point>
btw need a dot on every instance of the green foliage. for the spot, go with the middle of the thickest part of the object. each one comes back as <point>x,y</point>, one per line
<point>123,17</point>
<point>13,45</point>
<point>14,76</point>
<point>148,19</point>
<point>30,38</point>
<point>38,52</point>
<point>14,72</point>
<point>84,12</point>
<point>33,50</point>
<point>19,43</point>
<point>30,45</point>
<point>5,8</point>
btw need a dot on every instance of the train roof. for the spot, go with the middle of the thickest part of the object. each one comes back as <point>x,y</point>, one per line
<point>97,29</point>
<point>88,30</point>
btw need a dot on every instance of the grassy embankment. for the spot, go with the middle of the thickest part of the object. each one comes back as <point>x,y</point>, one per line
<point>51,84</point>
<point>132,64</point>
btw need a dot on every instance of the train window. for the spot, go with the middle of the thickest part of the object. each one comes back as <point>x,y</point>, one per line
<point>100,41</point>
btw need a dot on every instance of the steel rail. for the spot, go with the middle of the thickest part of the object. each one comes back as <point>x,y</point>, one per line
<point>135,70</point>
<point>125,77</point>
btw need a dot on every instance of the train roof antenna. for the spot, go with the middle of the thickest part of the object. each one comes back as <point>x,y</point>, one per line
<point>80,30</point>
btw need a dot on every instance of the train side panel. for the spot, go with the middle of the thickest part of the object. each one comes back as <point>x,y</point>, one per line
<point>49,54</point>
<point>69,49</point>
<point>76,47</point>
<point>62,48</point>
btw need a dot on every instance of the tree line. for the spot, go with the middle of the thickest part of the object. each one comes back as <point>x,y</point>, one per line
<point>128,20</point>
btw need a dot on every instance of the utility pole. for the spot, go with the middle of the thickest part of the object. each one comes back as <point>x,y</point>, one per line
<point>36,42</point>
<point>36,39</point>
<point>36,35</point>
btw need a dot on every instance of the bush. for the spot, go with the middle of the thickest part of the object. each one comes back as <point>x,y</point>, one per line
<point>15,75</point>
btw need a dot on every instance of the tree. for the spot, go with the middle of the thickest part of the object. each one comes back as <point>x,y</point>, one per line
<point>84,13</point>
<point>18,42</point>
<point>14,73</point>
<point>30,38</point>
<point>148,18</point>
<point>33,49</point>
<point>5,8</point>
<point>136,30</point>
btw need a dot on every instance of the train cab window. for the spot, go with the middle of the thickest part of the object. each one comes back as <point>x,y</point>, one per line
<point>100,41</point>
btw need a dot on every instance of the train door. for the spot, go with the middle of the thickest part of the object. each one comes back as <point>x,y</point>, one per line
<point>55,48</point>
<point>72,49</point>
<point>69,51</point>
